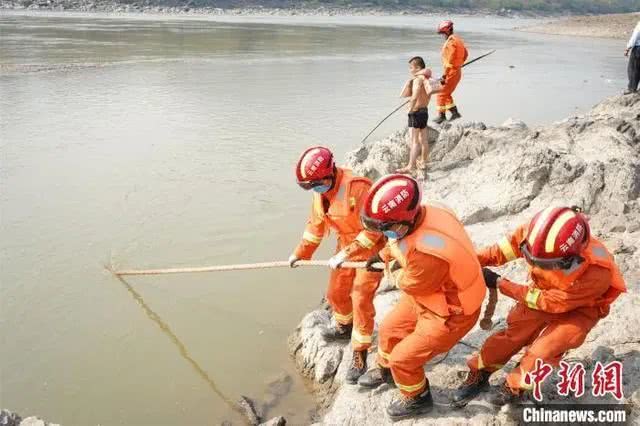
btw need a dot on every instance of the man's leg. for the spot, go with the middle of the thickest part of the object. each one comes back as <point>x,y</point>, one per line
<point>433,335</point>
<point>454,80</point>
<point>424,144</point>
<point>633,69</point>
<point>523,326</point>
<point>567,332</point>
<point>364,289</point>
<point>414,146</point>
<point>339,297</point>
<point>397,325</point>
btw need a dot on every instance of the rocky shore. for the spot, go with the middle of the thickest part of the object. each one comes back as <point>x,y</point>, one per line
<point>8,418</point>
<point>495,178</point>
<point>618,26</point>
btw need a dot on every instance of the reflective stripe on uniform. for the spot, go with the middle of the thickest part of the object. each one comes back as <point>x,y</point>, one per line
<point>413,388</point>
<point>482,366</point>
<point>360,338</point>
<point>506,249</point>
<point>555,230</point>
<point>445,107</point>
<point>531,299</point>
<point>364,240</point>
<point>384,355</point>
<point>308,236</point>
<point>343,318</point>
<point>523,380</point>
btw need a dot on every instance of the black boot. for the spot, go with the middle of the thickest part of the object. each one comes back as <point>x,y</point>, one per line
<point>454,114</point>
<point>477,381</point>
<point>375,377</point>
<point>358,367</point>
<point>441,118</point>
<point>411,406</point>
<point>504,395</point>
<point>339,332</point>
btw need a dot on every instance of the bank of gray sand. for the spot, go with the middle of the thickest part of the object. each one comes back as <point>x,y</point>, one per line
<point>496,178</point>
<point>618,26</point>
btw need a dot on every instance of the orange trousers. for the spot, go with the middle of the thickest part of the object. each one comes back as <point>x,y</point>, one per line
<point>410,336</point>
<point>350,295</point>
<point>548,337</point>
<point>444,100</point>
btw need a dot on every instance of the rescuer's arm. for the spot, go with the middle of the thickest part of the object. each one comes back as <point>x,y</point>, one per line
<point>583,292</point>
<point>423,274</point>
<point>312,236</point>
<point>505,250</point>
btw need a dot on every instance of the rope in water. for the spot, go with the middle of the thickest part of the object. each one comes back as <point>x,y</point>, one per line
<point>240,267</point>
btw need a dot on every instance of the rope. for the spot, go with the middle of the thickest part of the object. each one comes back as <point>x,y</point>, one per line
<point>239,267</point>
<point>486,323</point>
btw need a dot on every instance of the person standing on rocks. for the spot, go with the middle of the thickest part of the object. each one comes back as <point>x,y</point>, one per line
<point>454,54</point>
<point>441,282</point>
<point>633,68</point>
<point>419,90</point>
<point>574,280</point>
<point>337,200</point>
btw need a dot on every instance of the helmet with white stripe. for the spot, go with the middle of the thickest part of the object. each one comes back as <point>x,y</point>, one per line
<point>391,200</point>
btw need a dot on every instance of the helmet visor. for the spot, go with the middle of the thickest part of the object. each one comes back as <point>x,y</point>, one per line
<point>378,225</point>
<point>547,264</point>
<point>310,184</point>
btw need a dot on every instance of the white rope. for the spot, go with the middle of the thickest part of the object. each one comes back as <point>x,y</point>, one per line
<point>241,267</point>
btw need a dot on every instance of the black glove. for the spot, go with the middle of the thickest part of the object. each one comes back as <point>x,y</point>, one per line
<point>371,261</point>
<point>490,278</point>
<point>443,80</point>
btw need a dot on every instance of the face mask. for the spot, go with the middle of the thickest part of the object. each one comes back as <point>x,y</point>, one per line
<point>321,188</point>
<point>392,235</point>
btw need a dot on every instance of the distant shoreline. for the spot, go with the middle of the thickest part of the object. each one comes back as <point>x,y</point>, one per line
<point>616,26</point>
<point>116,7</point>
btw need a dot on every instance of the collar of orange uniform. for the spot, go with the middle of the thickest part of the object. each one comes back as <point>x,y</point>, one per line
<point>336,185</point>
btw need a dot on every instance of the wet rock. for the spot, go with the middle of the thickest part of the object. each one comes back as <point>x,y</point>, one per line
<point>496,178</point>
<point>7,418</point>
<point>276,421</point>
<point>250,410</point>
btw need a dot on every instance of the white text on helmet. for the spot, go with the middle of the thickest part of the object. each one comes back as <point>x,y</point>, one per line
<point>576,235</point>
<point>395,201</point>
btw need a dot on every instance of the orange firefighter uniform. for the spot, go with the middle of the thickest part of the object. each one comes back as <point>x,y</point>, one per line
<point>454,54</point>
<point>442,289</point>
<point>350,291</point>
<point>553,314</point>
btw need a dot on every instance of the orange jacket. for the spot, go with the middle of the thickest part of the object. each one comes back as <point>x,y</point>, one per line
<point>339,209</point>
<point>454,53</point>
<point>440,269</point>
<point>596,282</point>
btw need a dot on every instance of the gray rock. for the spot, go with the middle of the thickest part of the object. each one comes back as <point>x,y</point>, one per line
<point>7,418</point>
<point>276,421</point>
<point>496,178</point>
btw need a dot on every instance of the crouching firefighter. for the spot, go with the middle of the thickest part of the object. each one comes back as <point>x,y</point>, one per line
<point>442,289</point>
<point>337,200</point>
<point>573,281</point>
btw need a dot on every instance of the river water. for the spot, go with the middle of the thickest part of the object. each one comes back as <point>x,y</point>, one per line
<point>155,142</point>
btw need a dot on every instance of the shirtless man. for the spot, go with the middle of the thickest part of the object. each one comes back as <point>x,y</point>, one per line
<point>419,90</point>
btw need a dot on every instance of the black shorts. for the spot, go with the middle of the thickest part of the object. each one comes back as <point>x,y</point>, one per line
<point>418,119</point>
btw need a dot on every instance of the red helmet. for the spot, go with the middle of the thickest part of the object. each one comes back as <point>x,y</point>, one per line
<point>445,27</point>
<point>392,199</point>
<point>315,164</point>
<point>555,237</point>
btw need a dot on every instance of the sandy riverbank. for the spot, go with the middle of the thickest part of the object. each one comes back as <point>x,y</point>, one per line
<point>618,26</point>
